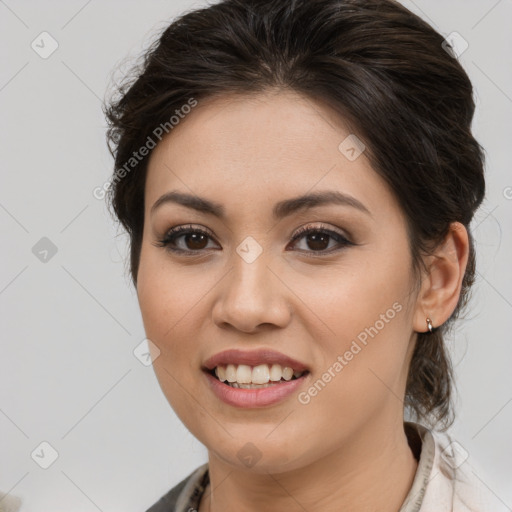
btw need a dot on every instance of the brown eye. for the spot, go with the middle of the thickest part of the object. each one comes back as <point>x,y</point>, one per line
<point>185,239</point>
<point>195,241</point>
<point>318,239</point>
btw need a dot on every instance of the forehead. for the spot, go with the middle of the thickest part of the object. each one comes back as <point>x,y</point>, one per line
<point>240,148</point>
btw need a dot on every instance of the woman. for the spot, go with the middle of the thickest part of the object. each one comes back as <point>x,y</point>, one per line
<point>297,179</point>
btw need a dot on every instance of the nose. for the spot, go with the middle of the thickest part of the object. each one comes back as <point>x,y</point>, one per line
<point>252,297</point>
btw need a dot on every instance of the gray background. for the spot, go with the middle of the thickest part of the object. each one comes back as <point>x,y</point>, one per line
<point>70,325</point>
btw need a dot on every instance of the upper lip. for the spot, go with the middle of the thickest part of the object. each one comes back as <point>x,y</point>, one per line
<point>253,358</point>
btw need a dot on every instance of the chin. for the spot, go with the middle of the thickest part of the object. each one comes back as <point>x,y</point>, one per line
<point>259,455</point>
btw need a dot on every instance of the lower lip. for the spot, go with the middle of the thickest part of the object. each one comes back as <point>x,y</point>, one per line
<point>252,398</point>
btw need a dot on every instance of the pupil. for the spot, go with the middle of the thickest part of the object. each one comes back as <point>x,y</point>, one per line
<point>314,238</point>
<point>196,238</point>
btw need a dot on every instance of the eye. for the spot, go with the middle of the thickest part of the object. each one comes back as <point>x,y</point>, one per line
<point>190,240</point>
<point>317,239</point>
<point>193,240</point>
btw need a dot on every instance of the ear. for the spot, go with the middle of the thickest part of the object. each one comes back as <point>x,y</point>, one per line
<point>440,289</point>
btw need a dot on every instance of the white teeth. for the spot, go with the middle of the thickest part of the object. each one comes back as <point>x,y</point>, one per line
<point>251,386</point>
<point>287,373</point>
<point>243,375</point>
<point>275,372</point>
<point>231,373</point>
<point>220,371</point>
<point>260,374</point>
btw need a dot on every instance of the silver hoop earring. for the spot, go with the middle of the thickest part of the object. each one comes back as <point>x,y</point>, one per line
<point>429,324</point>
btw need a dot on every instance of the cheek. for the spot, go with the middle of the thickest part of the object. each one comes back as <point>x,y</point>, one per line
<point>367,318</point>
<point>167,295</point>
<point>166,303</point>
<point>366,294</point>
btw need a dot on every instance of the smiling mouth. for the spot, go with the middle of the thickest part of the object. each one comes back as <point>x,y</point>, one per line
<point>255,377</point>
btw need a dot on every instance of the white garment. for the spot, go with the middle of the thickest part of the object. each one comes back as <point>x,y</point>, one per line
<point>9,503</point>
<point>446,481</point>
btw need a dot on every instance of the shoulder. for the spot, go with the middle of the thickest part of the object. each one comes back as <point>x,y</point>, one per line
<point>178,499</point>
<point>456,483</point>
<point>9,503</point>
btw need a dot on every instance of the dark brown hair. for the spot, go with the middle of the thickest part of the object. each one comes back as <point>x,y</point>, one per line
<point>382,69</point>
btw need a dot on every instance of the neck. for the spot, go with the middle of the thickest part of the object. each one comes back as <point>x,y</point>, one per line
<point>373,470</point>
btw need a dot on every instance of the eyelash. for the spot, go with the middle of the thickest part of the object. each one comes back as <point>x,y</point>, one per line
<point>173,234</point>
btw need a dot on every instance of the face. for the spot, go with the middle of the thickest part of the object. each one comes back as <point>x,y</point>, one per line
<point>326,281</point>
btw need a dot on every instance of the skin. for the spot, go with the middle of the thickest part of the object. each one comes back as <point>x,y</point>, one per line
<point>345,449</point>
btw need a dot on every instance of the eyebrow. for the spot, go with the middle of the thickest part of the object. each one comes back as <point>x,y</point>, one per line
<point>281,210</point>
